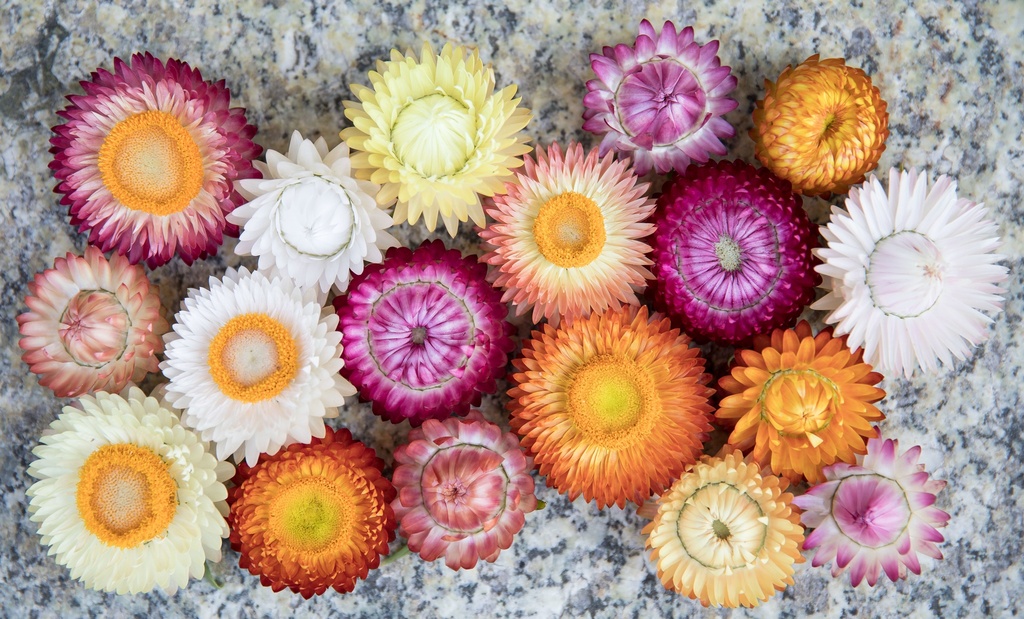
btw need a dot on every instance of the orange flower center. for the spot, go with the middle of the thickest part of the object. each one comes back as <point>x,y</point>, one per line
<point>125,495</point>
<point>800,403</point>
<point>313,515</point>
<point>612,401</point>
<point>837,119</point>
<point>569,230</point>
<point>253,358</point>
<point>151,163</point>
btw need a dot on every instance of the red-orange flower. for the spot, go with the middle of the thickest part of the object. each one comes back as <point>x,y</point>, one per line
<point>801,401</point>
<point>314,516</point>
<point>822,126</point>
<point>613,406</point>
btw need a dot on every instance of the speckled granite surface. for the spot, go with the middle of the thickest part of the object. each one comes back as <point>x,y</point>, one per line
<point>952,75</point>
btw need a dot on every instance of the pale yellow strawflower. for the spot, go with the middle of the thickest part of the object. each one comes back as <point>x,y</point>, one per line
<point>435,136</point>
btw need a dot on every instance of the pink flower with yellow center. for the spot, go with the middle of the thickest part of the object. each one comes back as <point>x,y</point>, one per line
<point>567,238</point>
<point>92,325</point>
<point>147,159</point>
<point>660,101</point>
<point>876,516</point>
<point>424,334</point>
<point>464,489</point>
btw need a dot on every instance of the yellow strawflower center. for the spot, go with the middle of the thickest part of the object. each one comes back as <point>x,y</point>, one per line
<point>311,515</point>
<point>151,163</point>
<point>434,135</point>
<point>612,401</point>
<point>569,230</point>
<point>800,403</point>
<point>125,495</point>
<point>253,357</point>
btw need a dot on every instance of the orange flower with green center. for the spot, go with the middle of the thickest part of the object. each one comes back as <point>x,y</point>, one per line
<point>613,406</point>
<point>802,402</point>
<point>313,516</point>
<point>822,126</point>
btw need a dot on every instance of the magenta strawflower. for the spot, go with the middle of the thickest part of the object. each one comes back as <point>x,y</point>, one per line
<point>875,517</point>
<point>660,101</point>
<point>147,159</point>
<point>464,489</point>
<point>424,334</point>
<point>732,252</point>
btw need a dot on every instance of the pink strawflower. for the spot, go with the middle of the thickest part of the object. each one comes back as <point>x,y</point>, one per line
<point>464,489</point>
<point>732,252</point>
<point>148,157</point>
<point>92,325</point>
<point>876,516</point>
<point>424,334</point>
<point>660,101</point>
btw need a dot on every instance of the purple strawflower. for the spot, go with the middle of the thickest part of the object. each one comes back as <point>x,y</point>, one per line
<point>660,101</point>
<point>424,334</point>
<point>732,252</point>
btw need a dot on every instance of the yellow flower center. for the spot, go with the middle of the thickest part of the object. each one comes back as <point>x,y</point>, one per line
<point>434,135</point>
<point>612,401</point>
<point>312,515</point>
<point>126,496</point>
<point>253,358</point>
<point>720,526</point>
<point>800,403</point>
<point>151,163</point>
<point>569,230</point>
<point>836,119</point>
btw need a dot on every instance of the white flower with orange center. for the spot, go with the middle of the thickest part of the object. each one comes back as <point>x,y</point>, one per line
<point>253,362</point>
<point>435,136</point>
<point>127,498</point>
<point>308,217</point>
<point>567,238</point>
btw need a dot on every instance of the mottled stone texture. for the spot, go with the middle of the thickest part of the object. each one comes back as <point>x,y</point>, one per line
<point>951,73</point>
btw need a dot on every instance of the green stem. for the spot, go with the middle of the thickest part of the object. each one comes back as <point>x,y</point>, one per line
<point>541,504</point>
<point>210,578</point>
<point>402,551</point>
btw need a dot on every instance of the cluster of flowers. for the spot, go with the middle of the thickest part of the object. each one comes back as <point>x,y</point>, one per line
<point>608,400</point>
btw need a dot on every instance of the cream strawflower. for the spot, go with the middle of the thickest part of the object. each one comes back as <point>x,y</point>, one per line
<point>309,218</point>
<point>911,273</point>
<point>253,363</point>
<point>434,135</point>
<point>127,498</point>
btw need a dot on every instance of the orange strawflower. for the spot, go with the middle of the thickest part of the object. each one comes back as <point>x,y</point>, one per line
<point>314,516</point>
<point>822,126</point>
<point>613,406</point>
<point>802,402</point>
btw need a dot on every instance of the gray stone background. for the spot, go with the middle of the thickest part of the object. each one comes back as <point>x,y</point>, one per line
<point>952,76</point>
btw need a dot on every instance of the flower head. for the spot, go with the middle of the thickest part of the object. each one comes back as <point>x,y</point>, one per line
<point>252,348</point>
<point>726,534</point>
<point>148,157</point>
<point>93,325</point>
<point>732,253</point>
<point>567,239</point>
<point>875,516</point>
<point>911,274</point>
<point>613,406</point>
<point>309,218</point>
<point>424,334</point>
<point>313,517</point>
<point>801,401</point>
<point>660,101</point>
<point>435,136</point>
<point>127,499</point>
<point>822,126</point>
<point>464,489</point>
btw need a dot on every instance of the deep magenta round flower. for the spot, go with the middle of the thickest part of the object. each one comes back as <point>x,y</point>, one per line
<point>464,489</point>
<point>424,334</point>
<point>732,252</point>
<point>660,101</point>
<point>147,159</point>
<point>875,516</point>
